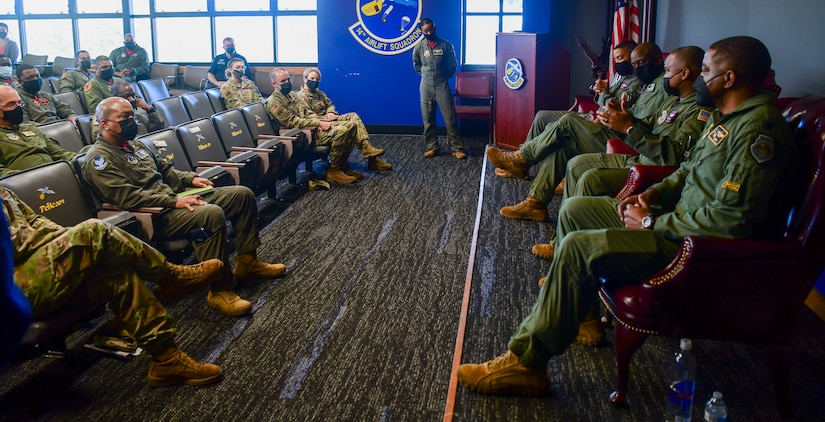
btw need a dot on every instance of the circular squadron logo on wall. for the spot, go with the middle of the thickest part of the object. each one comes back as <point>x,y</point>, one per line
<point>513,74</point>
<point>387,27</point>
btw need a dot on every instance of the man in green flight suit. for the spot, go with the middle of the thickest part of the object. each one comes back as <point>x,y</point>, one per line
<point>52,264</point>
<point>74,79</point>
<point>321,105</point>
<point>40,107</point>
<point>731,186</point>
<point>291,111</point>
<point>146,116</point>
<point>124,172</point>
<point>573,135</point>
<point>100,86</point>
<point>22,146</point>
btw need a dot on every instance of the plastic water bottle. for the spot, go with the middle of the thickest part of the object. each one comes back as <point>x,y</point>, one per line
<point>682,384</point>
<point>715,409</point>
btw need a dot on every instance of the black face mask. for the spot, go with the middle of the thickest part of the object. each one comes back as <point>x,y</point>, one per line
<point>431,37</point>
<point>129,45</point>
<point>704,98</point>
<point>107,74</point>
<point>15,116</point>
<point>230,50</point>
<point>33,86</point>
<point>668,89</point>
<point>85,64</point>
<point>128,129</point>
<point>312,85</point>
<point>237,73</point>
<point>647,73</point>
<point>623,68</point>
<point>286,87</point>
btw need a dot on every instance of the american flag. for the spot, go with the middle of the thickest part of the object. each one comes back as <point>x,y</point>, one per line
<point>625,24</point>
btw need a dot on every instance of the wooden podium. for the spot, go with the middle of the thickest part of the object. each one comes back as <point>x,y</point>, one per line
<point>545,69</point>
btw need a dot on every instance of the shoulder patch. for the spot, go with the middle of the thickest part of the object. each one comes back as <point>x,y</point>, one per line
<point>100,163</point>
<point>650,87</point>
<point>704,115</point>
<point>731,186</point>
<point>87,87</point>
<point>142,153</point>
<point>717,135</point>
<point>671,116</point>
<point>762,148</point>
<point>12,136</point>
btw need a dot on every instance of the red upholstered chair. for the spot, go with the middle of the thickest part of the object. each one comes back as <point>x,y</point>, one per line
<point>476,86</point>
<point>744,290</point>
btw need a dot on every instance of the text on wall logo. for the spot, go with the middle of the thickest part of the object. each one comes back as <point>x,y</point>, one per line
<point>387,27</point>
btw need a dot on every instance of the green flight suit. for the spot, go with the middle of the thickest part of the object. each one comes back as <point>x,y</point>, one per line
<point>26,147</point>
<point>136,59</point>
<point>618,86</point>
<point>437,65</point>
<point>97,90</point>
<point>43,107</point>
<point>134,177</point>
<point>733,185</point>
<point>320,104</point>
<point>677,128</point>
<point>236,94</point>
<point>291,111</point>
<point>573,135</point>
<point>52,263</point>
<point>148,121</point>
<point>72,80</point>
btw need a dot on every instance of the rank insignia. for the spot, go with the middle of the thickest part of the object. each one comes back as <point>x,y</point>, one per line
<point>704,115</point>
<point>717,135</point>
<point>438,52</point>
<point>13,137</point>
<point>762,148</point>
<point>100,163</point>
<point>141,153</point>
<point>131,158</point>
<point>87,87</point>
<point>671,116</point>
<point>731,186</point>
<point>27,133</point>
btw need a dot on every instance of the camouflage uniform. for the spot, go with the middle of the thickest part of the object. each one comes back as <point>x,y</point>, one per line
<point>320,104</point>
<point>134,177</point>
<point>72,80</point>
<point>437,65</point>
<point>26,147</point>
<point>292,112</point>
<point>43,107</point>
<point>236,94</point>
<point>11,81</point>
<point>733,185</point>
<point>678,127</point>
<point>97,90</point>
<point>53,263</point>
<point>573,135</point>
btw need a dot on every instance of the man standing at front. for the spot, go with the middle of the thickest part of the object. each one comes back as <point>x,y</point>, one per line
<point>434,60</point>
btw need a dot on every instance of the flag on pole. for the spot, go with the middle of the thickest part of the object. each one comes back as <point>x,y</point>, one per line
<point>625,25</point>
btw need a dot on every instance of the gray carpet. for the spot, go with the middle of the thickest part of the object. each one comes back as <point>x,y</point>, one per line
<point>363,326</point>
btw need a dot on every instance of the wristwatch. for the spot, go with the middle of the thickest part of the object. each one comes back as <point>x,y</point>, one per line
<point>648,221</point>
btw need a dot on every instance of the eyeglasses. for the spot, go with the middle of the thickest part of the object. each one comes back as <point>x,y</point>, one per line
<point>10,106</point>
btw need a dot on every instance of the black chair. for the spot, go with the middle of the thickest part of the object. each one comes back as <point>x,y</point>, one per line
<point>60,64</point>
<point>197,104</point>
<point>167,72</point>
<point>73,100</point>
<point>166,145</point>
<point>64,133</point>
<point>204,149</point>
<point>215,98</point>
<point>194,79</point>
<point>262,127</point>
<point>171,111</point>
<point>154,89</point>
<point>84,126</point>
<point>52,84</point>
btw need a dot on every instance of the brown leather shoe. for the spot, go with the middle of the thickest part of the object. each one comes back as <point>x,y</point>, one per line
<point>503,173</point>
<point>185,279</point>
<point>459,154</point>
<point>248,266</point>
<point>228,303</point>
<point>430,153</point>
<point>377,164</point>
<point>369,151</point>
<point>529,209</point>
<point>544,250</point>
<point>176,367</point>
<point>542,281</point>
<point>559,190</point>
<point>503,376</point>
<point>591,333</point>
<point>512,161</point>
<point>337,175</point>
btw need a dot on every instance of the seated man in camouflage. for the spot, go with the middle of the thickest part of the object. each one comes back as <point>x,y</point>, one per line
<point>40,107</point>
<point>237,90</point>
<point>52,264</point>
<point>321,105</point>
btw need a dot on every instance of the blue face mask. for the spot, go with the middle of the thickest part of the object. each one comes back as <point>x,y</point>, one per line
<point>5,72</point>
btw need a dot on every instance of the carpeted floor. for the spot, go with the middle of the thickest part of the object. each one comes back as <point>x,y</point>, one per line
<point>363,326</point>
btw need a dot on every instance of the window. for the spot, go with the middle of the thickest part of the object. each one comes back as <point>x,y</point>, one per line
<point>180,5</point>
<point>252,35</point>
<point>195,47</point>
<point>52,37</point>
<point>245,5</point>
<point>297,5</point>
<point>99,36</point>
<point>48,7</point>
<point>482,20</point>
<point>296,36</point>
<point>7,8</point>
<point>97,6</point>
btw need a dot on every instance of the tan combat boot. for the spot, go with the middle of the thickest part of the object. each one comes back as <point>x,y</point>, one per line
<point>459,154</point>
<point>591,333</point>
<point>559,190</point>
<point>529,209</point>
<point>350,172</point>
<point>185,279</point>
<point>336,174</point>
<point>503,173</point>
<point>542,281</point>
<point>228,303</point>
<point>511,161</point>
<point>377,164</point>
<point>544,250</point>
<point>248,266</point>
<point>503,376</point>
<point>369,151</point>
<point>173,366</point>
